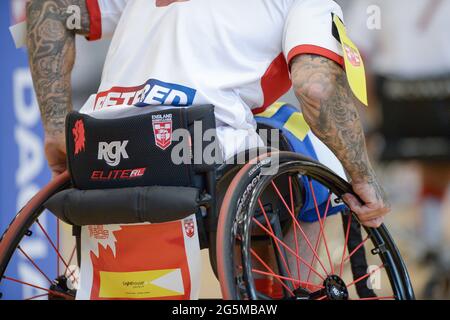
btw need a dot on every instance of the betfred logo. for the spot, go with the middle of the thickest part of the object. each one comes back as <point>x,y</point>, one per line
<point>162,130</point>
<point>79,136</point>
<point>153,92</point>
<point>112,152</point>
<point>189,227</point>
<point>125,174</point>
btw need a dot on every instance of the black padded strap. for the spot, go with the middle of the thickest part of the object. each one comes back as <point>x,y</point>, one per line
<point>155,204</point>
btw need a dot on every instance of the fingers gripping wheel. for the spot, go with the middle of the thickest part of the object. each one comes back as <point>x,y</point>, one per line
<point>267,250</point>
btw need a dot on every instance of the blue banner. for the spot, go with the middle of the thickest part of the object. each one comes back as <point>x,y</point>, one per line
<point>23,168</point>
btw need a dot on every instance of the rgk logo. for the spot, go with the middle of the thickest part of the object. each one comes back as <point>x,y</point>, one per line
<point>112,152</point>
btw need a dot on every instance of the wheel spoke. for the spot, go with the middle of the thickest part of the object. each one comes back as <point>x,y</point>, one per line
<point>54,247</point>
<point>71,257</point>
<point>276,243</point>
<point>287,278</point>
<point>271,271</point>
<point>356,248</point>
<point>55,293</point>
<point>316,247</point>
<point>291,194</point>
<point>321,224</point>
<point>38,296</point>
<point>347,233</point>
<point>365,276</point>
<point>34,264</point>
<point>300,228</point>
<point>288,248</point>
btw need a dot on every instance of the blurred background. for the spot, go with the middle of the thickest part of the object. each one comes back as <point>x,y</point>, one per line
<point>406,47</point>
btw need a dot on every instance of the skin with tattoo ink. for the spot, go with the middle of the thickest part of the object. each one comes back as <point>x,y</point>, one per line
<point>330,108</point>
<point>51,53</point>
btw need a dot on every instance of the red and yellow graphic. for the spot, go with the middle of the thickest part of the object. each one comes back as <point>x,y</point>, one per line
<point>141,261</point>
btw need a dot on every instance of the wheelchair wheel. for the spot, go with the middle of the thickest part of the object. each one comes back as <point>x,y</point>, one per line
<point>265,252</point>
<point>29,233</point>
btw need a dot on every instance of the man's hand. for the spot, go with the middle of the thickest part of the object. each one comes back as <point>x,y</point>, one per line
<point>330,109</point>
<point>374,207</point>
<point>55,152</point>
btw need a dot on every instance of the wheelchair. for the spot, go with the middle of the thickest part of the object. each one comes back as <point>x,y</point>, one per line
<point>275,224</point>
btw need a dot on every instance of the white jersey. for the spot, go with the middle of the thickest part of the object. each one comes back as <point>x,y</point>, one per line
<point>233,54</point>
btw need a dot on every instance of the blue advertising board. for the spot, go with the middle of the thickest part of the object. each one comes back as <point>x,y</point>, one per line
<point>23,168</point>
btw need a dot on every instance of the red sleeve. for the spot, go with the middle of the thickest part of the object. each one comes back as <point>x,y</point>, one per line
<point>312,49</point>
<point>95,20</point>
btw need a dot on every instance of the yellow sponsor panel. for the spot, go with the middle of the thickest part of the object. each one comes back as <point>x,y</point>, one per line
<point>140,285</point>
<point>354,65</point>
<point>297,125</point>
<point>271,110</point>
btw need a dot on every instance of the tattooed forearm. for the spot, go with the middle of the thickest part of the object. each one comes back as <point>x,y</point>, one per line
<point>330,108</point>
<point>51,52</point>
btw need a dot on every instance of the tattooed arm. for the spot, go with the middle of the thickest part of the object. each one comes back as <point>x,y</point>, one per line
<point>330,109</point>
<point>51,53</point>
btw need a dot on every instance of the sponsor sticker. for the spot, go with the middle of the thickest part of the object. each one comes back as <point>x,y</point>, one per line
<point>141,284</point>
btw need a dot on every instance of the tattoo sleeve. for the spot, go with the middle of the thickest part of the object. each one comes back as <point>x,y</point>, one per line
<point>51,53</point>
<point>330,109</point>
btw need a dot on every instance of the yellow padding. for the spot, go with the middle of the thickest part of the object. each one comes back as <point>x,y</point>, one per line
<point>142,284</point>
<point>297,125</point>
<point>354,65</point>
<point>270,111</point>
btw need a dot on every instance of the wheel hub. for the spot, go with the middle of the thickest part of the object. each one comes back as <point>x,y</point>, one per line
<point>335,288</point>
<point>60,286</point>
